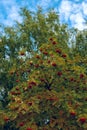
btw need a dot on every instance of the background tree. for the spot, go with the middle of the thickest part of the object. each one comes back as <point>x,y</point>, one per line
<point>81,43</point>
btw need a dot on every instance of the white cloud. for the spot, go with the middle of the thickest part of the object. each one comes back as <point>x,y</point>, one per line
<point>74,12</point>
<point>65,9</point>
<point>84,7</point>
<point>12,11</point>
<point>14,14</point>
<point>76,8</point>
<point>80,26</point>
<point>44,3</point>
<point>7,2</point>
<point>77,18</point>
<point>78,21</point>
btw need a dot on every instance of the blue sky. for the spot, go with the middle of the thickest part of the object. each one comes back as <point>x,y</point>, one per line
<point>72,12</point>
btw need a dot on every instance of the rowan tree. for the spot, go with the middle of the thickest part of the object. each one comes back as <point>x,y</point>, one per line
<point>53,96</point>
<point>44,81</point>
<point>23,39</point>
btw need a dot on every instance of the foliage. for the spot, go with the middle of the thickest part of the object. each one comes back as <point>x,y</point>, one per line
<point>53,96</point>
<point>81,43</point>
<point>23,39</point>
<point>43,82</point>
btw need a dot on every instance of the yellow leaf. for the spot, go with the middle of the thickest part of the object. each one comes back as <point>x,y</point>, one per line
<point>53,122</point>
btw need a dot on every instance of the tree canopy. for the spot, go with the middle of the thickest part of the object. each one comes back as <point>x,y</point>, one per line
<point>43,75</point>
